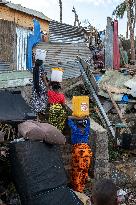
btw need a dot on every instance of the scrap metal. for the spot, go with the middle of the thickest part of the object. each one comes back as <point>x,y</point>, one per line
<point>92,87</point>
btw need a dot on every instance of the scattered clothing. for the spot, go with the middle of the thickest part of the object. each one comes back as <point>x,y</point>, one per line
<point>81,159</point>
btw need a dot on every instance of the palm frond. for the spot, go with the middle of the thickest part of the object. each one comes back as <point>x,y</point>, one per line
<point>120,10</point>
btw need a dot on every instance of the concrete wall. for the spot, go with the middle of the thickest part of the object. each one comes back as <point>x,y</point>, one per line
<point>101,166</point>
<point>8,43</point>
<point>20,18</point>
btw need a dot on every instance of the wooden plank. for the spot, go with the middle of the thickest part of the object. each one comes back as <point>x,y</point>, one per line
<point>117,108</point>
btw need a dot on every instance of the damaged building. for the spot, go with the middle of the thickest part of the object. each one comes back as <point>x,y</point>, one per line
<point>24,33</point>
<point>66,42</point>
<point>16,24</point>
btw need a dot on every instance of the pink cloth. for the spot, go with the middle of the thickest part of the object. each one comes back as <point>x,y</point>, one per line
<point>116,52</point>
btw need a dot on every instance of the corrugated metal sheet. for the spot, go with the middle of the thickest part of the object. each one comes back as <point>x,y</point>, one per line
<point>4,67</point>
<point>22,36</point>
<point>64,55</point>
<point>64,33</point>
<point>32,12</point>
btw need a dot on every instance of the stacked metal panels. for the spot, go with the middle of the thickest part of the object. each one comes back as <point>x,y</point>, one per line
<point>64,33</point>
<point>65,56</point>
<point>66,43</point>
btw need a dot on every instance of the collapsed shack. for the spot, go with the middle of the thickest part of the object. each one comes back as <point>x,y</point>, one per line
<point>120,173</point>
<point>62,54</point>
<point>101,167</point>
<point>66,42</point>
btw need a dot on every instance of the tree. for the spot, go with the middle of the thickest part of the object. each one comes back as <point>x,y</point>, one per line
<point>60,4</point>
<point>128,6</point>
<point>120,10</point>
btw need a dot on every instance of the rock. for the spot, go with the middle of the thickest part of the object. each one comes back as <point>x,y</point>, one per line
<point>85,199</point>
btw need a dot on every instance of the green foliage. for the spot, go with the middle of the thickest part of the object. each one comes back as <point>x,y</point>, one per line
<point>120,10</point>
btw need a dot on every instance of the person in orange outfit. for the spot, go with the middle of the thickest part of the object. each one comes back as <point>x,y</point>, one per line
<point>81,153</point>
<point>81,160</point>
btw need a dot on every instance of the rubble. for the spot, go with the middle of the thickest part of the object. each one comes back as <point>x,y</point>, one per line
<point>131,84</point>
<point>115,80</point>
<point>85,199</point>
<point>130,69</point>
<point>120,171</point>
<point>109,90</point>
<point>119,85</point>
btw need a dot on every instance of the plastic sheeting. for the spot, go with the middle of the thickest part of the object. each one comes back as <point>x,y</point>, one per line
<point>33,39</point>
<point>13,107</point>
<point>39,174</point>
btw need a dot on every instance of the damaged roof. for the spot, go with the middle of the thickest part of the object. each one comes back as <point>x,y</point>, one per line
<point>65,56</point>
<point>20,8</point>
<point>64,33</point>
<point>66,43</point>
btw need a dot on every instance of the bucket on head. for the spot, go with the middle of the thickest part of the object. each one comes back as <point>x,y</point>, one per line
<point>80,105</point>
<point>40,54</point>
<point>57,74</point>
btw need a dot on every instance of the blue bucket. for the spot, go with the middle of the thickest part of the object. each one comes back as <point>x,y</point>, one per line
<point>97,78</point>
<point>125,99</point>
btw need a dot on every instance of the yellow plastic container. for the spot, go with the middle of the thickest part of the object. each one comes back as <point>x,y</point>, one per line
<point>80,106</point>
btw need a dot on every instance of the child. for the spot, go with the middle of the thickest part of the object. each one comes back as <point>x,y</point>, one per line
<point>105,193</point>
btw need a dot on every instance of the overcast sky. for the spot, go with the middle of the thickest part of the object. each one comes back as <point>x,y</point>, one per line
<point>96,11</point>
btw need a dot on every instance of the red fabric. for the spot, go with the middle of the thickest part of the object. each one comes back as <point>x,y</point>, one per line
<point>55,97</point>
<point>116,52</point>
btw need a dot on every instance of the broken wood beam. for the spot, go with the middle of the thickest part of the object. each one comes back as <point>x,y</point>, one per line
<point>117,108</point>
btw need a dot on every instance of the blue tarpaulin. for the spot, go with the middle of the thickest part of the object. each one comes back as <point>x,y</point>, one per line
<point>33,39</point>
